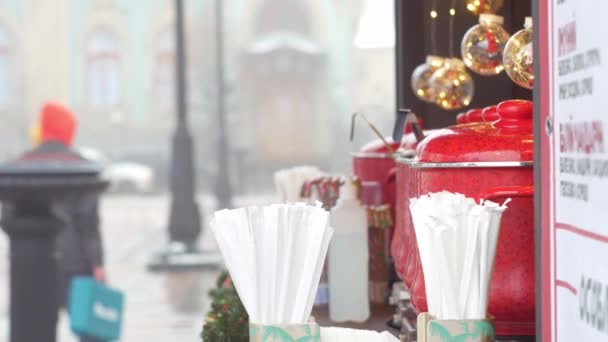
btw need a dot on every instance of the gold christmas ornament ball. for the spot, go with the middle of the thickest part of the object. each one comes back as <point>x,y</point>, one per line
<point>519,56</point>
<point>484,6</point>
<point>453,85</point>
<point>483,44</point>
<point>421,76</point>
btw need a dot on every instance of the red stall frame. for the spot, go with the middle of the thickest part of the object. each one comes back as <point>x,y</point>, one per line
<point>543,170</point>
<point>542,98</point>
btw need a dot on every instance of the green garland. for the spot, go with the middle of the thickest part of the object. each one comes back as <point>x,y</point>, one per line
<point>227,321</point>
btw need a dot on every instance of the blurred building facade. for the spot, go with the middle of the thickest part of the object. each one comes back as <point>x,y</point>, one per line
<point>294,76</point>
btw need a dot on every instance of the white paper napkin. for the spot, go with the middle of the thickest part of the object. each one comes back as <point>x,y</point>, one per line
<point>457,243</point>
<point>275,255</point>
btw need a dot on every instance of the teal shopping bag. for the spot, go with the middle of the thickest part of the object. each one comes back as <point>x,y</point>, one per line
<point>95,309</point>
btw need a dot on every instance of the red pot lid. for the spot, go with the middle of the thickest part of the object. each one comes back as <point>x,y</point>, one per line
<point>490,114</point>
<point>461,118</point>
<point>474,115</point>
<point>507,139</point>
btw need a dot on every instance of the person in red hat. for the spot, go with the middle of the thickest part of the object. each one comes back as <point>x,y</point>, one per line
<point>79,244</point>
<point>57,124</point>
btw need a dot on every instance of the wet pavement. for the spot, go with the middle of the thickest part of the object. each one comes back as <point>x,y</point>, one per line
<point>160,307</point>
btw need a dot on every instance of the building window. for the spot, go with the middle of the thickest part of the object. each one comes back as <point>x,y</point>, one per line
<point>5,69</point>
<point>104,76</point>
<point>165,69</point>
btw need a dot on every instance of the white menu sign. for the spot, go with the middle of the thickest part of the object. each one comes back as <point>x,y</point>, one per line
<point>579,157</point>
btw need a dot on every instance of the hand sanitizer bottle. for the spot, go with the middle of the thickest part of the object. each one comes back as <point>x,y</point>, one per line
<point>349,259</point>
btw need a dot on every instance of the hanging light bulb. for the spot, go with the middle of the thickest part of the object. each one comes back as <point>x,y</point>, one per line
<point>484,6</point>
<point>452,85</point>
<point>421,76</point>
<point>519,56</point>
<point>483,44</point>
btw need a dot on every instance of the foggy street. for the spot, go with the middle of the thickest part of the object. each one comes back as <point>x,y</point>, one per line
<point>360,156</point>
<point>159,307</point>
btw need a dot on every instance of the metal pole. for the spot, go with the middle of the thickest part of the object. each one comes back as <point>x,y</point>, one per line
<point>223,190</point>
<point>184,221</point>
<point>32,229</point>
<point>180,63</point>
<point>185,218</point>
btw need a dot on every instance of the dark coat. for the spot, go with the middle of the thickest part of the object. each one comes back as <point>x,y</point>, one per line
<point>79,244</point>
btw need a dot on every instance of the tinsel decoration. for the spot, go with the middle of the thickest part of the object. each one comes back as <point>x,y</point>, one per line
<point>325,189</point>
<point>379,222</point>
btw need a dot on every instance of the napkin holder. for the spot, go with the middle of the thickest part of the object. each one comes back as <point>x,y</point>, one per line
<point>473,330</point>
<point>287,332</point>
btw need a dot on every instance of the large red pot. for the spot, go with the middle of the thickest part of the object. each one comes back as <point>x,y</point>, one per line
<point>373,163</point>
<point>403,241</point>
<point>493,161</point>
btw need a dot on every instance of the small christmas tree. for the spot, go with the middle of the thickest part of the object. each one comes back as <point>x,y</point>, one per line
<point>227,321</point>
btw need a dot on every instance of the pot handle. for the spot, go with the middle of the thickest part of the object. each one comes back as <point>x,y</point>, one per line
<point>400,122</point>
<point>516,191</point>
<point>373,128</point>
<point>404,117</point>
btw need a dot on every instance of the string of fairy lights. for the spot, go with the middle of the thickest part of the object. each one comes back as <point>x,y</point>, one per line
<point>486,49</point>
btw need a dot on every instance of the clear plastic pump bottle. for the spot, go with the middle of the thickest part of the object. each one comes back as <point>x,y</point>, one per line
<point>348,259</point>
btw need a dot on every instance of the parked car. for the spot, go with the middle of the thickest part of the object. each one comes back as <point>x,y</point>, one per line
<point>124,176</point>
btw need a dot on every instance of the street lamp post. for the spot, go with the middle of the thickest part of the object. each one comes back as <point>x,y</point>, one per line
<point>184,217</point>
<point>223,190</point>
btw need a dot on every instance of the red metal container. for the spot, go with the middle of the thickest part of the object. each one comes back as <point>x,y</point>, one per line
<point>403,241</point>
<point>374,162</point>
<point>492,161</point>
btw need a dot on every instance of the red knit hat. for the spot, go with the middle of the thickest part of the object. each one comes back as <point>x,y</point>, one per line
<point>57,123</point>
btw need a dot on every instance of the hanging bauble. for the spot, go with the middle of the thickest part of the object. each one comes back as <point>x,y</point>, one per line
<point>519,56</point>
<point>453,85</point>
<point>421,76</point>
<point>484,6</point>
<point>483,44</point>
